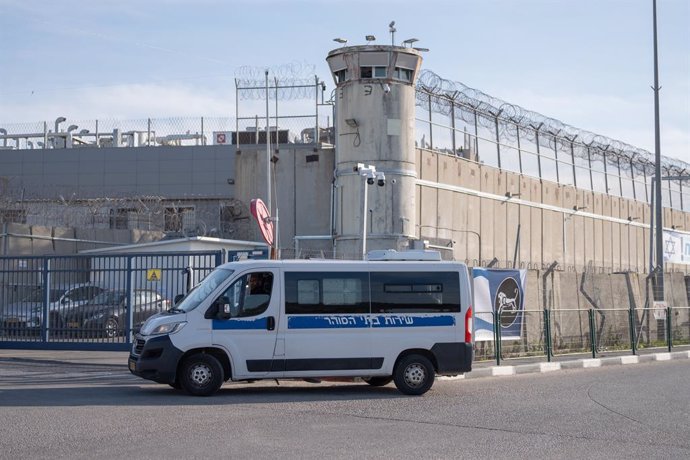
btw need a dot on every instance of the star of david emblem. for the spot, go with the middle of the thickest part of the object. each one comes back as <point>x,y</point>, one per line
<point>670,247</point>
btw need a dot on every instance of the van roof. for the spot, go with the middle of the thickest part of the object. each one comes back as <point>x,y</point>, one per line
<point>304,263</point>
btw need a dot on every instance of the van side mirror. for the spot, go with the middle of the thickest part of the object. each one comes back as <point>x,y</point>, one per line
<point>224,311</point>
<point>220,309</point>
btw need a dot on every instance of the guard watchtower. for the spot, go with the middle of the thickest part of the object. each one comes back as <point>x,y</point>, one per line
<point>375,125</point>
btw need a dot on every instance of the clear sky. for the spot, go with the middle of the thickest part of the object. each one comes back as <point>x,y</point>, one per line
<point>588,63</point>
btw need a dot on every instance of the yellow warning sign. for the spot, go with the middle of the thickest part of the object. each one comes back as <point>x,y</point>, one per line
<point>153,274</point>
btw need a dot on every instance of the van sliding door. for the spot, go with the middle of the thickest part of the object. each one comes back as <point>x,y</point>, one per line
<point>328,325</point>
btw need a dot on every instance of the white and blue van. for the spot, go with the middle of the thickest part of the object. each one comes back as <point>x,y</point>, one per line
<point>379,320</point>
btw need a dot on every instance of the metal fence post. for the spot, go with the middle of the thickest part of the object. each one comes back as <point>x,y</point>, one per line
<point>547,333</point>
<point>130,300</point>
<point>631,323</point>
<point>493,329</point>
<point>669,334</point>
<point>592,335</point>
<point>46,299</point>
<point>219,257</point>
<point>497,326</point>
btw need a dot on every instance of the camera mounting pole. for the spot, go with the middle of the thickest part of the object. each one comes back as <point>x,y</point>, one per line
<point>369,175</point>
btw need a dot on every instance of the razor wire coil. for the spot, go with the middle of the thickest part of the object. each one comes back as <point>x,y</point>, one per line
<point>451,98</point>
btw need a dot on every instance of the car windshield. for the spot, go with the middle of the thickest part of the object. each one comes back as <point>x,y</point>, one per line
<point>108,298</point>
<point>37,295</point>
<point>204,289</point>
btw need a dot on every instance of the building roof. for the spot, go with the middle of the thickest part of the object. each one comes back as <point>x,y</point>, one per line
<point>198,243</point>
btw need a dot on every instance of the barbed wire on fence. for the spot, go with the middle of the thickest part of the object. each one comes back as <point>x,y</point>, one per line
<point>451,98</point>
<point>286,82</point>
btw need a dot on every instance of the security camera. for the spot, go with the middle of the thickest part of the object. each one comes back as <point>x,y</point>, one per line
<point>382,182</point>
<point>386,88</point>
<point>381,179</point>
<point>370,180</point>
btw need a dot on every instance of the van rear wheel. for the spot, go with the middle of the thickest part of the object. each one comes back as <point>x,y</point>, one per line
<point>201,375</point>
<point>378,381</point>
<point>414,375</point>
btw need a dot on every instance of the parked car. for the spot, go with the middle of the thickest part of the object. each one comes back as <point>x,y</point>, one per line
<point>106,314</point>
<point>26,316</point>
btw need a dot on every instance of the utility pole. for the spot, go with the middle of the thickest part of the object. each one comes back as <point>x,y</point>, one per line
<point>659,291</point>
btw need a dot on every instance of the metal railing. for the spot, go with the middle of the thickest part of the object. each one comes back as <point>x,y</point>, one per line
<point>551,333</point>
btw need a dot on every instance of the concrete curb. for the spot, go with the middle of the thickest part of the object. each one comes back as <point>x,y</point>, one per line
<point>586,363</point>
<point>119,359</point>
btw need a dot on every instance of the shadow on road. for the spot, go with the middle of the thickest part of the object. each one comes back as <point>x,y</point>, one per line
<point>160,395</point>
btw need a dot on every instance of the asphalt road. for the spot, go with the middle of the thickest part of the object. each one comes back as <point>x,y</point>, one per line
<point>88,411</point>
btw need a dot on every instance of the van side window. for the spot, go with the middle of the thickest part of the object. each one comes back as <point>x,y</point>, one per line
<point>309,293</point>
<point>249,295</point>
<point>406,292</point>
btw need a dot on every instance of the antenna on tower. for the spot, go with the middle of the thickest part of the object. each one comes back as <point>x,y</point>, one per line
<point>391,29</point>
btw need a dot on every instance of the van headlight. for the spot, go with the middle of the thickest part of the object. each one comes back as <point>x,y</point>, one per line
<point>162,329</point>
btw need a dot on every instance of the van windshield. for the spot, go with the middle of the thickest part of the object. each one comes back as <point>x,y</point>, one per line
<point>204,289</point>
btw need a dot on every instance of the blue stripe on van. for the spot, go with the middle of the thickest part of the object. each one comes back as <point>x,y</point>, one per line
<point>412,321</point>
<point>260,323</point>
<point>327,321</point>
<point>363,321</point>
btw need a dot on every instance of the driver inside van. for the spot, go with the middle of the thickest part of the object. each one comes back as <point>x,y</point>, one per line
<point>259,283</point>
<point>258,293</point>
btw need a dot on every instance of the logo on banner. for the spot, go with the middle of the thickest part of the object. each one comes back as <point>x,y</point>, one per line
<point>498,294</point>
<point>507,302</point>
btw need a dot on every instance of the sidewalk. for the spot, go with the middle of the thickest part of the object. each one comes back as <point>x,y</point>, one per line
<point>480,369</point>
<point>87,358</point>
<point>530,366</point>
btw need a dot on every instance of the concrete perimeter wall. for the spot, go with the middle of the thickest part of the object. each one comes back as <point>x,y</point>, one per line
<point>477,210</point>
<point>569,296</point>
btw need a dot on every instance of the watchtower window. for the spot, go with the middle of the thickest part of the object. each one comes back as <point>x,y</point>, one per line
<point>403,74</point>
<point>340,76</point>
<point>373,72</point>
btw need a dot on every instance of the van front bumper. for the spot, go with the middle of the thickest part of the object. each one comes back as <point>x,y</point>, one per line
<point>154,358</point>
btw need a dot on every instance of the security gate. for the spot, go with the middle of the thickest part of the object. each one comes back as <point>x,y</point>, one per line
<point>94,302</point>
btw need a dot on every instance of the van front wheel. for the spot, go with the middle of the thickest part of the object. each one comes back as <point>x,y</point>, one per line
<point>202,375</point>
<point>414,375</point>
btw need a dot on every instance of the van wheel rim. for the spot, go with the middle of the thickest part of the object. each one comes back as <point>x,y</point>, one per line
<point>201,374</point>
<point>415,375</point>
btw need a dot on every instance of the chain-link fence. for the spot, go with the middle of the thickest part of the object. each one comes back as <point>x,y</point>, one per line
<point>170,132</point>
<point>680,326</point>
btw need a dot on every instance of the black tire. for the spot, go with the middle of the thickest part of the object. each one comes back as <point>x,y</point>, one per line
<point>379,381</point>
<point>414,375</point>
<point>111,328</point>
<point>201,375</point>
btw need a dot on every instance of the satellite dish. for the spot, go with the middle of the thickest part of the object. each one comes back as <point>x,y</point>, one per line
<point>263,218</point>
